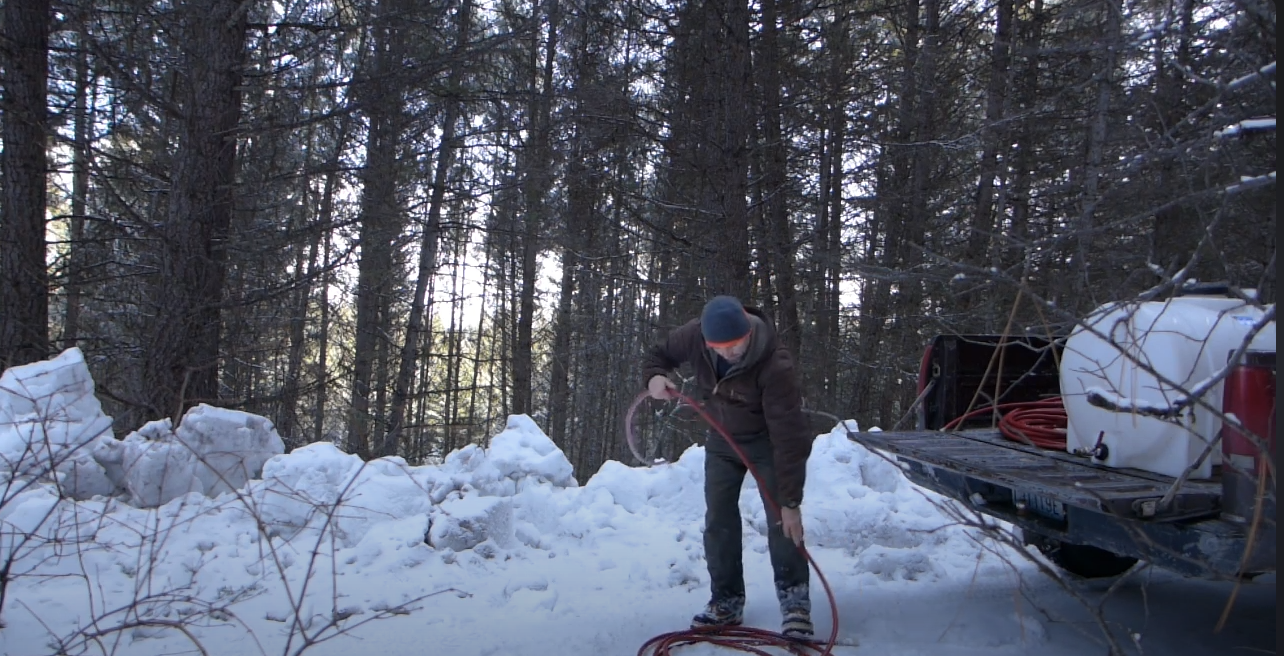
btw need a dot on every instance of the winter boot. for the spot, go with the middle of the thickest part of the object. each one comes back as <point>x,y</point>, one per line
<point>797,624</point>
<point>721,612</point>
<point>795,609</point>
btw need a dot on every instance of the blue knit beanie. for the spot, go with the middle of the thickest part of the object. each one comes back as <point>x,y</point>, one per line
<point>723,320</point>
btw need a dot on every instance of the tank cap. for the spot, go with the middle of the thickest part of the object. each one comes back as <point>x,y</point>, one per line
<point>1264,359</point>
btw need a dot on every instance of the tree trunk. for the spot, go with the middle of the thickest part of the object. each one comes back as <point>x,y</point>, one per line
<point>80,157</point>
<point>729,122</point>
<point>907,314</point>
<point>24,276</point>
<point>579,204</point>
<point>1177,231</point>
<point>559,393</point>
<point>428,244</point>
<point>1027,95</point>
<point>994,139</point>
<point>1094,157</point>
<point>181,361</point>
<point>380,224</point>
<point>535,184</point>
<point>898,176</point>
<point>775,182</point>
<point>323,348</point>
<point>826,266</point>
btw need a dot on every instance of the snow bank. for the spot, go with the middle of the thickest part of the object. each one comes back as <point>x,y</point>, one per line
<point>212,512</point>
<point>469,498</point>
<point>213,451</point>
<point>52,427</point>
<point>49,417</point>
<point>518,492</point>
<point>868,508</point>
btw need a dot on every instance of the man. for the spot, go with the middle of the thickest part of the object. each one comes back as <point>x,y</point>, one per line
<point>748,379</point>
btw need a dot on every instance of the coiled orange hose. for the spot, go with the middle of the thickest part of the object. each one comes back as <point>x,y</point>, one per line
<point>1041,423</point>
<point>746,639</point>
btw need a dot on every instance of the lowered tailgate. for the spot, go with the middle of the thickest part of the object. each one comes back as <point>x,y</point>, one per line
<point>1041,480</point>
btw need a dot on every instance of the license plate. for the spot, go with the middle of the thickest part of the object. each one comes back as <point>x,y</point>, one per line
<point>1040,504</point>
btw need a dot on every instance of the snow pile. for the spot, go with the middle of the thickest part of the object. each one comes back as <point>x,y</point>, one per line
<point>53,427</point>
<point>288,542</point>
<point>48,417</point>
<point>522,451</point>
<point>212,451</point>
<point>870,510</point>
<point>520,492</point>
<point>468,498</point>
<point>318,492</point>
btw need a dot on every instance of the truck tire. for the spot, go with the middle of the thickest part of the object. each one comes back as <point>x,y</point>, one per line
<point>1080,559</point>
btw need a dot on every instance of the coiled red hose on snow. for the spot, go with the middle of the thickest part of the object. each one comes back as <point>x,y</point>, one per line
<point>741,638</point>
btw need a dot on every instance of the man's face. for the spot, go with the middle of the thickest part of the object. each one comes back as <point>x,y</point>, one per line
<point>732,352</point>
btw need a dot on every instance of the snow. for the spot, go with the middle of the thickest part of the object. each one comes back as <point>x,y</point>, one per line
<point>1247,125</point>
<point>1264,73</point>
<point>1249,182</point>
<point>207,538</point>
<point>52,427</point>
<point>48,415</point>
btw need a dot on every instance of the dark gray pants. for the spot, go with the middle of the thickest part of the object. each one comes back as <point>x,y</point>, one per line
<point>724,475</point>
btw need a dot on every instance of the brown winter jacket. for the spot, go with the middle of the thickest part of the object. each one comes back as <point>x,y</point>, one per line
<point>760,394</point>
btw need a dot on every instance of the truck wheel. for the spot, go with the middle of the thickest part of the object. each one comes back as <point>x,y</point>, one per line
<point>1080,559</point>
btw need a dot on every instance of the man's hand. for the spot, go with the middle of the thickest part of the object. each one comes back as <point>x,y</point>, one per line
<point>661,388</point>
<point>791,524</point>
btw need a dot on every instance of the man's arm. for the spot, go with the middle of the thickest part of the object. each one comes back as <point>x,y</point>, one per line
<point>669,354</point>
<point>787,426</point>
<point>790,439</point>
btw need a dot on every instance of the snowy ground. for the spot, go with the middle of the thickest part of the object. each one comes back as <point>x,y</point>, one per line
<point>521,556</point>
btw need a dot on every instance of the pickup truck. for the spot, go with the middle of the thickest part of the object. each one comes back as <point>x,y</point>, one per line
<point>1090,519</point>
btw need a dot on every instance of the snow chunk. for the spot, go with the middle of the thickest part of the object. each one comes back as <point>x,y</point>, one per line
<point>318,489</point>
<point>49,417</point>
<point>466,522</point>
<point>524,450</point>
<point>231,446</point>
<point>212,452</point>
<point>155,467</point>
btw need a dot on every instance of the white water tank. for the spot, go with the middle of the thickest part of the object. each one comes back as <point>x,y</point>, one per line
<point>1183,341</point>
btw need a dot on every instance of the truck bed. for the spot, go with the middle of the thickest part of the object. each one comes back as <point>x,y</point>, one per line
<point>1055,498</point>
<point>1044,481</point>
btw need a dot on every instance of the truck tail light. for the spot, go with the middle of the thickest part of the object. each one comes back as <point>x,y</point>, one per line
<point>924,370</point>
<point>924,377</point>
<point>1248,393</point>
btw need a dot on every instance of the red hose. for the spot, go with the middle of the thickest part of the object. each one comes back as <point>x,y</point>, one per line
<point>746,639</point>
<point>1041,423</point>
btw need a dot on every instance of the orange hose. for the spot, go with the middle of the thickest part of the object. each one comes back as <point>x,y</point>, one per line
<point>746,639</point>
<point>1040,423</point>
<point>736,638</point>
